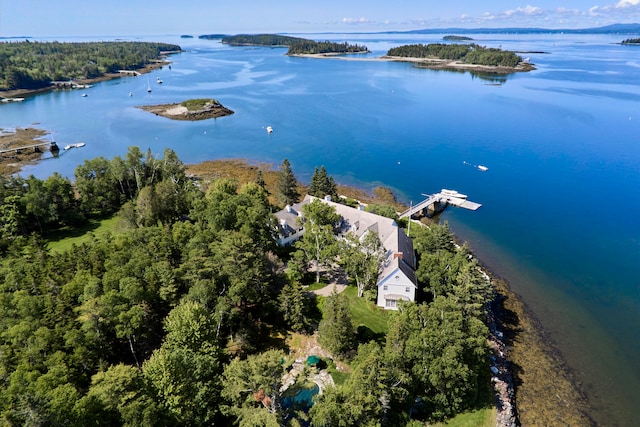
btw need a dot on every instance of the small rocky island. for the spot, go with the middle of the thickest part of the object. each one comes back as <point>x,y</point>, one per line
<point>192,109</point>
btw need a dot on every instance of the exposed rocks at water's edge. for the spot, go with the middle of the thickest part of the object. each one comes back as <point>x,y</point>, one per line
<point>501,374</point>
<point>532,384</point>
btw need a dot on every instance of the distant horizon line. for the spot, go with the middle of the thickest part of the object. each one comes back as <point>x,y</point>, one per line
<point>618,28</point>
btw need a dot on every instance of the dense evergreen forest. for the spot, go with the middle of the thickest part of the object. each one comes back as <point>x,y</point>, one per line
<point>467,53</point>
<point>631,41</point>
<point>297,46</point>
<point>34,65</point>
<point>261,40</point>
<point>177,319</point>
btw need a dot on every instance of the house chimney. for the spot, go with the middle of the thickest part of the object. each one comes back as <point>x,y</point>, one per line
<point>398,255</point>
<point>288,208</point>
<point>283,222</point>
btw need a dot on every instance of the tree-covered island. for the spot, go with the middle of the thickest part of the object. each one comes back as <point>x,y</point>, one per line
<point>453,38</point>
<point>36,65</point>
<point>296,45</point>
<point>460,56</point>
<point>631,41</point>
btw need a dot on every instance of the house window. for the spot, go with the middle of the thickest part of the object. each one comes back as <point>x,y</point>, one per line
<point>407,289</point>
<point>391,303</point>
<point>385,288</point>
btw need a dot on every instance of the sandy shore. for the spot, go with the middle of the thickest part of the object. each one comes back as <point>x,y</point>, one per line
<point>431,63</point>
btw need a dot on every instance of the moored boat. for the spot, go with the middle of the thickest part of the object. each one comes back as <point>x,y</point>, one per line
<point>452,193</point>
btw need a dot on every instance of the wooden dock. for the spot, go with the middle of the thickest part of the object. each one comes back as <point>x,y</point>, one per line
<point>438,202</point>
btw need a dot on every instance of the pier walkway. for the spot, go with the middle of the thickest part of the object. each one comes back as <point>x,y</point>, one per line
<point>437,202</point>
<point>49,145</point>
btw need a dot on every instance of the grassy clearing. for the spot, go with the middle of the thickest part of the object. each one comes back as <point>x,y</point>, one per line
<point>64,239</point>
<point>366,312</point>
<point>479,418</point>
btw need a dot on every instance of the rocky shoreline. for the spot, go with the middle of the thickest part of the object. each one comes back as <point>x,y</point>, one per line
<point>533,385</point>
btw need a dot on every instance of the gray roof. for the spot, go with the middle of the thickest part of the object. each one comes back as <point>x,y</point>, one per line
<point>398,246</point>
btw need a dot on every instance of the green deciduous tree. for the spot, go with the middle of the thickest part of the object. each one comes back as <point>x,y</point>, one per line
<point>319,242</point>
<point>438,352</point>
<point>253,386</point>
<point>362,259</point>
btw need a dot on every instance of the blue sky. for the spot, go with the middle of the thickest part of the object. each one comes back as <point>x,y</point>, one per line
<point>144,17</point>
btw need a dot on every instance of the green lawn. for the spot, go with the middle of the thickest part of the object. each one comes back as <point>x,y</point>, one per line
<point>479,418</point>
<point>366,312</point>
<point>363,312</point>
<point>62,240</point>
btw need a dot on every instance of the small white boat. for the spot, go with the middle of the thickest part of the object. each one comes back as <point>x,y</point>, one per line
<point>483,168</point>
<point>70,146</point>
<point>452,193</point>
<point>130,93</point>
<point>269,129</point>
<point>11,99</point>
<point>84,95</point>
<point>148,86</point>
<point>159,81</point>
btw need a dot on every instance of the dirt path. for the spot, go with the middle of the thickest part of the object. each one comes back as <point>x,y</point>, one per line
<point>338,280</point>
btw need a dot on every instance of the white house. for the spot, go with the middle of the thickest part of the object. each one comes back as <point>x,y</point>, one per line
<point>397,280</point>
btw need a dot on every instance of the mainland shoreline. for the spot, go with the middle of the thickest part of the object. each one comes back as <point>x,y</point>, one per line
<point>20,93</point>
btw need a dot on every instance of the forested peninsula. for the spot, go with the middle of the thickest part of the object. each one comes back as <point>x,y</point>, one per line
<point>296,45</point>
<point>189,313</point>
<point>33,65</point>
<point>442,55</point>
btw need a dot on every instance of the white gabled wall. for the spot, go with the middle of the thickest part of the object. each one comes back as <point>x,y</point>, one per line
<point>394,287</point>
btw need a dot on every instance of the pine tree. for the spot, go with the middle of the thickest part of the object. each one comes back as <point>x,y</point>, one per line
<point>260,181</point>
<point>314,185</point>
<point>322,184</point>
<point>287,191</point>
<point>335,331</point>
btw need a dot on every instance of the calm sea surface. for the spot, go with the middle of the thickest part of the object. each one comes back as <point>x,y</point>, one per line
<point>561,198</point>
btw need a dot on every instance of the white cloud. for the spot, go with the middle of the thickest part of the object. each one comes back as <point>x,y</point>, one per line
<point>623,11</point>
<point>527,11</point>
<point>356,21</point>
<point>627,3</point>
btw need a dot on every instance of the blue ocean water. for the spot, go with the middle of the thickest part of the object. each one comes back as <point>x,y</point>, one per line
<point>561,207</point>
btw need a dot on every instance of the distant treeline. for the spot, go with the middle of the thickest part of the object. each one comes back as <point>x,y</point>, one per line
<point>34,65</point>
<point>212,36</point>
<point>468,53</point>
<point>261,40</point>
<point>631,41</point>
<point>296,45</point>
